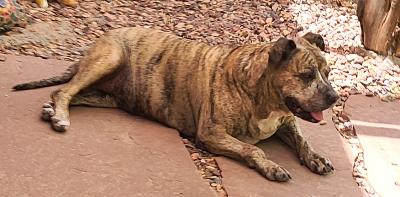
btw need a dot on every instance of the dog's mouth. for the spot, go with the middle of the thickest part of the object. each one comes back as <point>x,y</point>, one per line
<point>297,110</point>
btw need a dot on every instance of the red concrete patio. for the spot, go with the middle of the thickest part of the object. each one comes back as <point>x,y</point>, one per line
<point>106,152</point>
<point>378,128</point>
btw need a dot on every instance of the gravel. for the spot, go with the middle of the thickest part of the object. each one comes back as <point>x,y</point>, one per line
<point>207,166</point>
<point>353,69</point>
<point>215,22</point>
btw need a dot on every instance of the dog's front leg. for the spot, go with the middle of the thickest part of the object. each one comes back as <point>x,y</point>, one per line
<point>292,135</point>
<point>218,141</point>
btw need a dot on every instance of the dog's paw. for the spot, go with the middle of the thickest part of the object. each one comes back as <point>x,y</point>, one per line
<point>59,124</point>
<point>318,164</point>
<point>275,173</point>
<point>48,111</point>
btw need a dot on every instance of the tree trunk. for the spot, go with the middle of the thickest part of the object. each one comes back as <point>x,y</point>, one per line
<point>397,44</point>
<point>378,19</point>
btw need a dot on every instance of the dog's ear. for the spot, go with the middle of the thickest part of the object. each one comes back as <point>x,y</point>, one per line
<point>281,51</point>
<point>316,39</point>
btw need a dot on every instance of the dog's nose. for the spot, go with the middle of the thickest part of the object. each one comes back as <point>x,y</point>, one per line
<point>332,97</point>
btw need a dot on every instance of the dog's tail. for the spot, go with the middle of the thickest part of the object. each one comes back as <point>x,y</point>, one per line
<point>56,80</point>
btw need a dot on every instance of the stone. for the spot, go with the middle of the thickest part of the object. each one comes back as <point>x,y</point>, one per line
<point>386,97</point>
<point>180,25</point>
<point>337,108</point>
<point>354,58</point>
<point>360,87</point>
<point>368,93</point>
<point>195,156</point>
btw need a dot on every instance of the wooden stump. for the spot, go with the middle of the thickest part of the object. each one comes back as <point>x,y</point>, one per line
<point>378,19</point>
<point>397,44</point>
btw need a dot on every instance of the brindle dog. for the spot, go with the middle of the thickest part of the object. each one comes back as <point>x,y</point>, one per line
<point>227,97</point>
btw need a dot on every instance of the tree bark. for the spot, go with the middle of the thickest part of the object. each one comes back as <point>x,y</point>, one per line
<point>397,44</point>
<point>378,19</point>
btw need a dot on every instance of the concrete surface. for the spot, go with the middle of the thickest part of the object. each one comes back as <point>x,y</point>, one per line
<point>106,152</point>
<point>241,181</point>
<point>377,125</point>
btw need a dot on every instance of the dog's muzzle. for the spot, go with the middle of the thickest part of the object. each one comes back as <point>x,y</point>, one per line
<point>295,107</point>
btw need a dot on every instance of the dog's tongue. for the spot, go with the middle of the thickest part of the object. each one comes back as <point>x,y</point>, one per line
<point>317,115</point>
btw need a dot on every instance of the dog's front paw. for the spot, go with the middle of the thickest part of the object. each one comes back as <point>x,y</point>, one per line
<point>274,172</point>
<point>317,163</point>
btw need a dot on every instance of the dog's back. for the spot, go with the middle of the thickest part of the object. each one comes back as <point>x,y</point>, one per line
<point>163,76</point>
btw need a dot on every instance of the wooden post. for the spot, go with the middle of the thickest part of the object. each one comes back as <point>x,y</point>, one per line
<point>378,19</point>
<point>397,44</point>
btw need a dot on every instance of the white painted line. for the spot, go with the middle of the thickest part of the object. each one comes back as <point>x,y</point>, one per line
<point>373,124</point>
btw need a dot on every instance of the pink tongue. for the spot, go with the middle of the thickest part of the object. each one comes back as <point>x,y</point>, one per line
<point>317,115</point>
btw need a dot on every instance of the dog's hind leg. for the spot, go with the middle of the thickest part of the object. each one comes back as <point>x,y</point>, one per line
<point>101,60</point>
<point>92,98</point>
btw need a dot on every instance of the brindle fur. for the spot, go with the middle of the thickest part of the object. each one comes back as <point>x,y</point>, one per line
<point>227,97</point>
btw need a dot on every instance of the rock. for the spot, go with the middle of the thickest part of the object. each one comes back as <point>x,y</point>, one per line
<point>189,26</point>
<point>180,25</point>
<point>395,90</point>
<point>348,125</point>
<point>360,87</point>
<point>275,7</point>
<point>354,58</point>
<point>368,93</point>
<point>195,156</point>
<point>109,17</point>
<point>286,32</point>
<point>3,58</point>
<point>341,127</point>
<point>386,97</point>
<point>42,55</point>
<point>213,170</point>
<point>338,108</point>
<point>353,141</point>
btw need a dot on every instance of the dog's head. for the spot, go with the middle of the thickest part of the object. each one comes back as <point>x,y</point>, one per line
<point>300,75</point>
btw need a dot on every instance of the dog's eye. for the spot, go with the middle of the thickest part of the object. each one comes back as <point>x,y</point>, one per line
<point>307,75</point>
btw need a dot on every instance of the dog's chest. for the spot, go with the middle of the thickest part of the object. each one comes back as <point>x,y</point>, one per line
<point>261,129</point>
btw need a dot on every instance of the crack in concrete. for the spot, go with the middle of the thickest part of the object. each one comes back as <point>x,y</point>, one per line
<point>207,167</point>
<point>80,170</point>
<point>347,130</point>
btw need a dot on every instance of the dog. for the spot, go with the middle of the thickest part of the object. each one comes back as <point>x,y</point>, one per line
<point>44,3</point>
<point>226,97</point>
